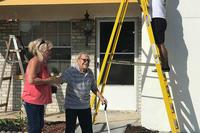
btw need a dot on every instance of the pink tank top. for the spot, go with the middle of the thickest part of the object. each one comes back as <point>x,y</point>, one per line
<point>37,94</point>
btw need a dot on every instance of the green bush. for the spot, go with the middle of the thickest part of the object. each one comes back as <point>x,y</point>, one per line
<point>18,124</point>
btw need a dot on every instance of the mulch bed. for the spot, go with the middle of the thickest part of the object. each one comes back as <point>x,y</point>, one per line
<point>59,127</point>
<point>138,129</point>
<point>20,126</point>
<point>54,127</point>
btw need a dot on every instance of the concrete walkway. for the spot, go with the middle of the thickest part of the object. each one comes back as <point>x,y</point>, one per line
<point>118,120</point>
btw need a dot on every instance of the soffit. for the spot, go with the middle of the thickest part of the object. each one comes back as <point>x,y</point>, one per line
<point>56,2</point>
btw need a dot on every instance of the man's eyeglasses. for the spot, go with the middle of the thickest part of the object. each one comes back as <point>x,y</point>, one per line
<point>85,60</point>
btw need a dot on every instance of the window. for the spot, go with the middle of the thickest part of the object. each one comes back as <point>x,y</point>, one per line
<point>119,74</point>
<point>59,33</point>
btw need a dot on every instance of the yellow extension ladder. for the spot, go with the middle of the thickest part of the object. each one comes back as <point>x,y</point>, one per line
<point>107,61</point>
<point>12,56</point>
<point>110,52</point>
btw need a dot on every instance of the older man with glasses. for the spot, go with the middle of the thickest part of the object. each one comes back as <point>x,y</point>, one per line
<point>80,81</point>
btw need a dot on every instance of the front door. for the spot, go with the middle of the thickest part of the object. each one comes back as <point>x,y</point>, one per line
<point>120,90</point>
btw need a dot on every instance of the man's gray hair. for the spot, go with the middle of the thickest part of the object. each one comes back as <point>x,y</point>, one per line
<point>82,53</point>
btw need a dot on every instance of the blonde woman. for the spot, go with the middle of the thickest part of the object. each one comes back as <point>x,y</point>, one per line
<point>37,86</point>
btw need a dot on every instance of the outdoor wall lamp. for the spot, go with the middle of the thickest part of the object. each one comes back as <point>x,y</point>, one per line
<point>88,25</point>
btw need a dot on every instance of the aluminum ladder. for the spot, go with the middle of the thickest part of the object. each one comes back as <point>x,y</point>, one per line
<point>12,57</point>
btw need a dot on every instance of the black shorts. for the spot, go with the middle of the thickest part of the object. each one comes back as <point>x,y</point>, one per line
<point>159,26</point>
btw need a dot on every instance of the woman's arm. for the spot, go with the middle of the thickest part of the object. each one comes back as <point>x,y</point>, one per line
<point>34,68</point>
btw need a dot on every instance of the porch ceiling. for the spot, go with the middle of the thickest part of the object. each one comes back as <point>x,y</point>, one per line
<point>56,2</point>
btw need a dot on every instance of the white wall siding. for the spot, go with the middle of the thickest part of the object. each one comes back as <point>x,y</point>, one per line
<point>153,109</point>
<point>120,97</point>
<point>182,39</point>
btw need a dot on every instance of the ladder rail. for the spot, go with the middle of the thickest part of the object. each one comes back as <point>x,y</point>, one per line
<point>9,84</point>
<point>110,41</point>
<point>12,53</point>
<point>92,101</point>
<point>18,55</point>
<point>4,64</point>
<point>162,78</point>
<point>132,63</point>
<point>111,55</point>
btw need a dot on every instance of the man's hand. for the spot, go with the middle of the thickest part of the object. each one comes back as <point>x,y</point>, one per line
<point>103,100</point>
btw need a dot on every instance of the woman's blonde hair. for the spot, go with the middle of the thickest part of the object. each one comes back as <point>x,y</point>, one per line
<point>39,46</point>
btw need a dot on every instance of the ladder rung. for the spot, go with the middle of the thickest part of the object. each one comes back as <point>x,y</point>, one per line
<point>14,50</point>
<point>172,108</point>
<point>174,115</point>
<point>10,61</point>
<point>132,63</point>
<point>19,77</point>
<point>165,77</point>
<point>168,91</point>
<point>2,40</point>
<point>176,124</point>
<point>4,104</point>
<point>6,78</point>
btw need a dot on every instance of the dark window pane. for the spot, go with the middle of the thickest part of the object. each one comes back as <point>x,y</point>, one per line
<point>26,37</point>
<point>38,27</point>
<point>51,27</point>
<point>126,38</point>
<point>119,74</point>
<point>64,39</point>
<point>61,54</point>
<point>59,66</point>
<point>52,37</point>
<point>105,34</point>
<point>59,33</point>
<point>64,27</point>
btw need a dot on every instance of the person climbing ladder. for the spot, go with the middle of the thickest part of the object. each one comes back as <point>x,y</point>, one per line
<point>157,11</point>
